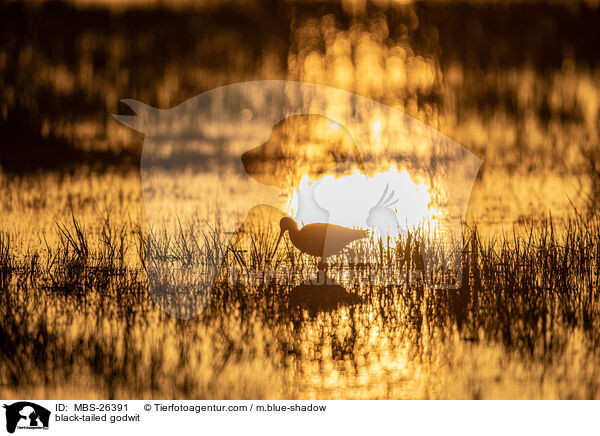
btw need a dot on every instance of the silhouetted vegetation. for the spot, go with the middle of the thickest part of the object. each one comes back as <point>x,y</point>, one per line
<point>532,293</point>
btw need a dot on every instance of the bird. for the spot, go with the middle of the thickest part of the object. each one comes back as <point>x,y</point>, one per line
<point>382,216</point>
<point>309,210</point>
<point>319,239</point>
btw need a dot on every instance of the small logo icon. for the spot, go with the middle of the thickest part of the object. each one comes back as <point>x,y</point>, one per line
<point>26,415</point>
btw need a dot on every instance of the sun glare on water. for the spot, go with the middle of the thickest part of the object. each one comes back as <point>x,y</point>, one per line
<point>362,201</point>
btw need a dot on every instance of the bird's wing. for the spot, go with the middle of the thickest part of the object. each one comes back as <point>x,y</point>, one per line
<point>320,239</point>
<point>338,237</point>
<point>311,239</point>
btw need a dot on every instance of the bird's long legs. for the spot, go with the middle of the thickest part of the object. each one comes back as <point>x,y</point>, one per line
<point>322,270</point>
<point>322,266</point>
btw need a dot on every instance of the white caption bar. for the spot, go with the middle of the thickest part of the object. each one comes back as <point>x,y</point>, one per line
<point>23,417</point>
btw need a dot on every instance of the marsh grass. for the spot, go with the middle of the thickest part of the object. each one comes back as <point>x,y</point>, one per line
<point>78,320</point>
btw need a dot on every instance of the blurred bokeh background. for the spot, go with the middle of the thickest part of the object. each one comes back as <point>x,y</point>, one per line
<point>517,83</point>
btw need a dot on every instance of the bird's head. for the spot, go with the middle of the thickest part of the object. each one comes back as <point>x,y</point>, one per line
<point>285,224</point>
